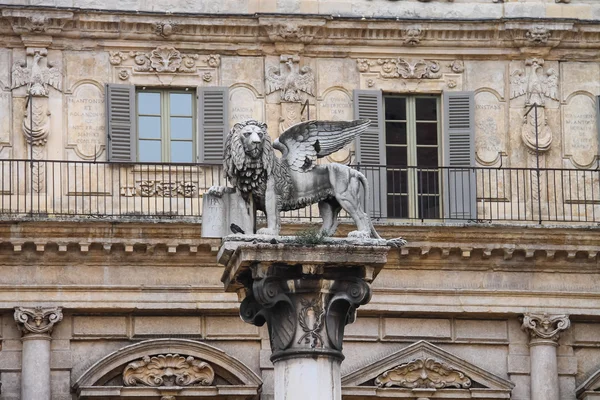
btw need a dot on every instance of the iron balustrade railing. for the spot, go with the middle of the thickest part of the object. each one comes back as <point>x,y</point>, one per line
<point>63,189</point>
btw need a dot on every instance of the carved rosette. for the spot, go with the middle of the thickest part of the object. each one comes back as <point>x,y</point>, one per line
<point>38,320</point>
<point>424,373</point>
<point>544,327</point>
<point>305,313</point>
<point>168,370</point>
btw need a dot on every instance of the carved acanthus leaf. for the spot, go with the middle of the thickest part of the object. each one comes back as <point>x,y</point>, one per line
<point>544,326</point>
<point>37,320</point>
<point>168,370</point>
<point>165,59</point>
<point>424,373</point>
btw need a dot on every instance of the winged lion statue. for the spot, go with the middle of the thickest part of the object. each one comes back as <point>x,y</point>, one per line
<point>296,180</point>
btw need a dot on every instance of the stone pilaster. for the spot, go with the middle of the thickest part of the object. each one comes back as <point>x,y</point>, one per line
<point>544,331</point>
<point>36,325</point>
<point>306,295</point>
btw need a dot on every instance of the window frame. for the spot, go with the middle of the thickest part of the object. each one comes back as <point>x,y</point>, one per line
<point>165,122</point>
<point>411,167</point>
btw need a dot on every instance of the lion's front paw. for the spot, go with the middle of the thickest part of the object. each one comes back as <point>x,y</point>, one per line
<point>359,235</point>
<point>267,231</point>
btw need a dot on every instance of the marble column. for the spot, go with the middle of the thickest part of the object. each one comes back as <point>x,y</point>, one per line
<point>36,325</point>
<point>544,332</point>
<point>306,295</point>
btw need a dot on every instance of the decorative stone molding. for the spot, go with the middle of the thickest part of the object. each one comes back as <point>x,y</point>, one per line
<point>398,68</point>
<point>37,320</point>
<point>538,35</point>
<point>290,79</point>
<point>37,21</point>
<point>168,370</point>
<point>37,75</point>
<point>166,29</point>
<point>424,373</point>
<point>159,188</point>
<point>290,32</point>
<point>164,59</point>
<point>544,326</point>
<point>412,36</point>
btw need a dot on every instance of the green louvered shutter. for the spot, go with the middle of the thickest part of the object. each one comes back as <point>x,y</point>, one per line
<point>120,122</point>
<point>370,149</point>
<point>459,178</point>
<point>213,123</point>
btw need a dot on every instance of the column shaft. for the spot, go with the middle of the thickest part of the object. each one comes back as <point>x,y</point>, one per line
<point>35,371</point>
<point>544,372</point>
<point>308,378</point>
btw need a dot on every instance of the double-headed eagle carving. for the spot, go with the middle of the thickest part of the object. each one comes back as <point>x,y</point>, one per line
<point>291,84</point>
<point>37,78</point>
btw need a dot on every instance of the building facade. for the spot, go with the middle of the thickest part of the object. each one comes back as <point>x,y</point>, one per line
<point>483,153</point>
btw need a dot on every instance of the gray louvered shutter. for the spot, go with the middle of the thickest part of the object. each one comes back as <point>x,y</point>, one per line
<point>120,122</point>
<point>370,149</point>
<point>213,123</point>
<point>459,177</point>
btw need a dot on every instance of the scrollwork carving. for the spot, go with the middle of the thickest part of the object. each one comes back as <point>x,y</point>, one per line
<point>37,320</point>
<point>165,59</point>
<point>398,68</point>
<point>544,326</point>
<point>168,370</point>
<point>424,373</point>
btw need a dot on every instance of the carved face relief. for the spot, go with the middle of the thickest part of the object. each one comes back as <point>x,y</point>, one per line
<point>252,139</point>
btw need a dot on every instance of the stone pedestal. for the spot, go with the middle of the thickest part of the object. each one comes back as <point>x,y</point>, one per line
<point>306,294</point>
<point>544,332</point>
<point>36,325</point>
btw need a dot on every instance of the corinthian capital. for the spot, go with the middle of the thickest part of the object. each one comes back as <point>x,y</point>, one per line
<point>544,326</point>
<point>37,320</point>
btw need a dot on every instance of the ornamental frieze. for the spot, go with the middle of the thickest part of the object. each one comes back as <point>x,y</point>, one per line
<point>399,68</point>
<point>424,373</point>
<point>163,59</point>
<point>168,370</point>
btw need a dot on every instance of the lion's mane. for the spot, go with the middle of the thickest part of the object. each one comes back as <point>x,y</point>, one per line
<point>247,174</point>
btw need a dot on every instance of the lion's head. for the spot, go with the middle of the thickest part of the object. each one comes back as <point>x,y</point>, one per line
<point>248,149</point>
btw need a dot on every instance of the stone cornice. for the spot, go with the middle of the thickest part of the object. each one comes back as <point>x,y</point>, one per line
<point>237,33</point>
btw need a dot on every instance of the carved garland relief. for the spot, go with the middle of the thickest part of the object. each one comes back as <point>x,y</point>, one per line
<point>424,373</point>
<point>168,370</point>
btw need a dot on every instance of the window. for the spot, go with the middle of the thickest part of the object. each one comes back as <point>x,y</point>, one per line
<point>166,129</point>
<point>412,150</point>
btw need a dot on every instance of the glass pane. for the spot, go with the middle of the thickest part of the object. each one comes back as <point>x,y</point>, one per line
<point>395,132</point>
<point>397,181</point>
<point>427,133</point>
<point>181,104</point>
<point>429,206</point>
<point>395,108</point>
<point>397,206</point>
<point>426,109</point>
<point>181,128</point>
<point>182,151</point>
<point>428,182</point>
<point>427,156</point>
<point>149,151</point>
<point>149,127</point>
<point>149,103</point>
<point>395,155</point>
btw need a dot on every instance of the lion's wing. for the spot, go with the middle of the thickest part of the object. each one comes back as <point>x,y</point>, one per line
<point>303,143</point>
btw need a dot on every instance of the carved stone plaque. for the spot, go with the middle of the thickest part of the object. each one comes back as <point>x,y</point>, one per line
<point>490,130</point>
<point>336,106</point>
<point>86,113</point>
<point>580,132</point>
<point>244,105</point>
<point>5,116</point>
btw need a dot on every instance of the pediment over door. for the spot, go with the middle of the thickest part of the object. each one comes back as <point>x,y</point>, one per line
<point>424,371</point>
<point>590,388</point>
<point>173,369</point>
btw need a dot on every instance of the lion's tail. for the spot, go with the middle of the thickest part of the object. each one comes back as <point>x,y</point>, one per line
<point>365,184</point>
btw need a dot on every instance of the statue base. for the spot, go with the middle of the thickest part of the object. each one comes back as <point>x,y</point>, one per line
<point>306,294</point>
